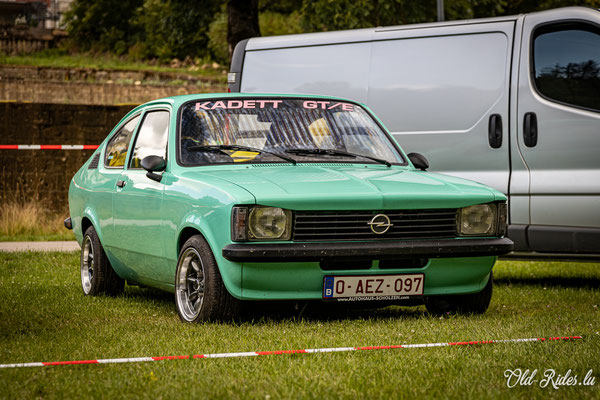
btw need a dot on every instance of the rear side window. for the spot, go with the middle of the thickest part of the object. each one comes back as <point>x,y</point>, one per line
<point>152,137</point>
<point>566,64</point>
<point>116,149</point>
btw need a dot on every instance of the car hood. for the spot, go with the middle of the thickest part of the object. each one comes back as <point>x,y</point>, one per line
<point>351,187</point>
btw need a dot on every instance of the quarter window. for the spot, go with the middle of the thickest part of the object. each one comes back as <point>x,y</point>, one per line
<point>116,149</point>
<point>567,64</point>
<point>152,137</point>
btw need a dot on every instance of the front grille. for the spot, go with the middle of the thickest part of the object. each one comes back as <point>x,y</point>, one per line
<point>353,225</point>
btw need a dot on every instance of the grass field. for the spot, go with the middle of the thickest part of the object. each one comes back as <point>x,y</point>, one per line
<point>45,317</point>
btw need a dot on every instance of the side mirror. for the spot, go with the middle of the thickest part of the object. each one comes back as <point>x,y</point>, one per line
<point>153,164</point>
<point>419,161</point>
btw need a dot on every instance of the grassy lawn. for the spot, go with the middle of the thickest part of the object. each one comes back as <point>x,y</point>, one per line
<point>45,317</point>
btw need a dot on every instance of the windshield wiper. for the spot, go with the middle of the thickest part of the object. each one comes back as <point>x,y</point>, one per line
<point>332,152</point>
<point>222,147</point>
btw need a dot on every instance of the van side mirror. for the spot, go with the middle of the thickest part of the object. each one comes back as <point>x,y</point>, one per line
<point>419,161</point>
<point>153,164</point>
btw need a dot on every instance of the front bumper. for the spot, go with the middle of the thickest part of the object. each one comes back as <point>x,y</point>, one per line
<point>296,252</point>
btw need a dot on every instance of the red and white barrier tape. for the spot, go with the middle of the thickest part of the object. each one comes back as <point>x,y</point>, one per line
<point>268,353</point>
<point>48,146</point>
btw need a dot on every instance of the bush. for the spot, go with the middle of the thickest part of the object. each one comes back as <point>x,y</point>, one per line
<point>142,28</point>
<point>103,24</point>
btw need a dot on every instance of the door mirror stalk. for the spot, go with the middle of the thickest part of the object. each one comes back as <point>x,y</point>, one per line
<point>154,164</point>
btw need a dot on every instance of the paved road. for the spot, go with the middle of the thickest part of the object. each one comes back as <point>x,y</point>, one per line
<point>40,246</point>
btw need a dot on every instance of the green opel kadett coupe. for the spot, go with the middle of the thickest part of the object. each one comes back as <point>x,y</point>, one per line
<point>222,198</point>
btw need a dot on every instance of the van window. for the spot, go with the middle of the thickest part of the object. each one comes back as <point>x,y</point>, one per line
<point>566,64</point>
<point>116,149</point>
<point>152,137</point>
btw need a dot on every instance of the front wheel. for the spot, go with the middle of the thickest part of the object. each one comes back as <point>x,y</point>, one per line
<point>200,294</point>
<point>474,303</point>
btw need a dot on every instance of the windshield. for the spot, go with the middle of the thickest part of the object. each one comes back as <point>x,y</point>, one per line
<point>265,128</point>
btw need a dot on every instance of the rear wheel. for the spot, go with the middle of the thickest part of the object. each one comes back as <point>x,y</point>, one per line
<point>474,303</point>
<point>97,275</point>
<point>200,294</point>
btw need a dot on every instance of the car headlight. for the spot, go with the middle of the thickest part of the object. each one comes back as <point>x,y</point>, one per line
<point>478,220</point>
<point>260,223</point>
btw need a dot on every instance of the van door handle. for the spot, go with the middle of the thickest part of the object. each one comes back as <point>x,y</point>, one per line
<point>495,131</point>
<point>530,129</point>
<point>120,183</point>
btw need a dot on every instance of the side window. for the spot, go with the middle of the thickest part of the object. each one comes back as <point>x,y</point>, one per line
<point>566,64</point>
<point>116,149</point>
<point>152,137</point>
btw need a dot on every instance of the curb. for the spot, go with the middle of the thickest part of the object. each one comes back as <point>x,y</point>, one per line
<point>64,246</point>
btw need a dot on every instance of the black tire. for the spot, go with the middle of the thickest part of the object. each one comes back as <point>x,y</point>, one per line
<point>474,303</point>
<point>97,275</point>
<point>200,294</point>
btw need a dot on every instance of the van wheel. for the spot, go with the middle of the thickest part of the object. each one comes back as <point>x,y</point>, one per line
<point>200,294</point>
<point>97,275</point>
<point>474,303</point>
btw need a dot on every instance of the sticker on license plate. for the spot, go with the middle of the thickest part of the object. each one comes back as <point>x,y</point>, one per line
<point>379,287</point>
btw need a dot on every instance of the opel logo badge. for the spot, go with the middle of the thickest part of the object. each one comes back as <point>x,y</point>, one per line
<point>380,224</point>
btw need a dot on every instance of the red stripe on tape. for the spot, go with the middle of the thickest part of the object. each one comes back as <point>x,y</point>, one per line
<point>48,147</point>
<point>71,362</point>
<point>170,358</point>
<point>199,356</point>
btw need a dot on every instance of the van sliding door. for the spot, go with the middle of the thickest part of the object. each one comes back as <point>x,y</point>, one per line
<point>443,92</point>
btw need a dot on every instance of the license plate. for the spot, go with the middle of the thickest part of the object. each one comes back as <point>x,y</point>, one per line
<point>379,287</point>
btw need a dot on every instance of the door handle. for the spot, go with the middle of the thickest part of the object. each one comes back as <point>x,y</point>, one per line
<point>121,183</point>
<point>530,129</point>
<point>495,131</point>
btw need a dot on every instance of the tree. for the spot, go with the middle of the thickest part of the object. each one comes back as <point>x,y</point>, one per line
<point>274,18</point>
<point>242,21</point>
<point>103,24</point>
<point>176,28</point>
<point>327,15</point>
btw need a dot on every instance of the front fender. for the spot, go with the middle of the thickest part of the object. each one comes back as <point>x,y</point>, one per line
<point>216,236</point>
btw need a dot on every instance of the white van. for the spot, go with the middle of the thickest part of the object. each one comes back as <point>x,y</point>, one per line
<point>511,102</point>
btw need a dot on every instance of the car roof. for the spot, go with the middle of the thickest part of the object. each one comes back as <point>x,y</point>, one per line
<point>177,101</point>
